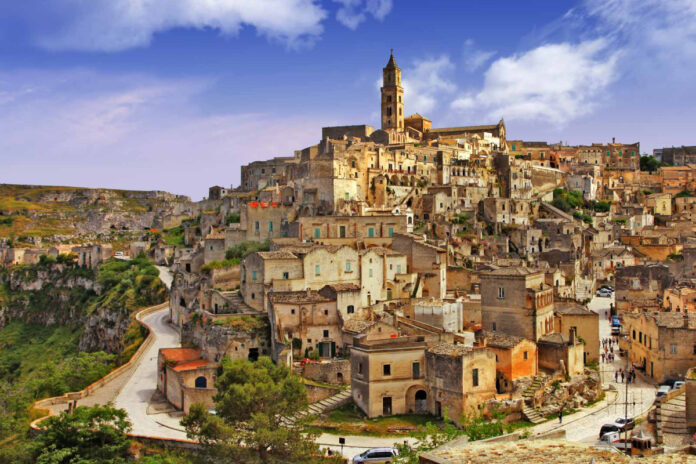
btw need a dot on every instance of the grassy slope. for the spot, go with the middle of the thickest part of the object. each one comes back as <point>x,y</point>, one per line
<point>20,202</point>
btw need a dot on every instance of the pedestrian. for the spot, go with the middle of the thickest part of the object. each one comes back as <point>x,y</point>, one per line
<point>602,357</point>
<point>560,415</point>
<point>612,350</point>
<point>622,376</point>
<point>616,376</point>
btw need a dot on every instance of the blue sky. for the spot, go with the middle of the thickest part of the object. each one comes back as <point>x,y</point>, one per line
<point>177,94</point>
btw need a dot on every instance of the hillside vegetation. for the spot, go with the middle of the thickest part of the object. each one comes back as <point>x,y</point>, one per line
<point>63,327</point>
<point>28,211</point>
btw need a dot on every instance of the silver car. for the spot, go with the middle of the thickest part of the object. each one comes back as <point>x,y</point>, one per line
<point>376,455</point>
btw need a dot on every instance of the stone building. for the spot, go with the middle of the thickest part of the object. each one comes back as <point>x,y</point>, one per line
<point>92,256</point>
<point>388,375</point>
<point>428,261</point>
<point>185,377</point>
<point>459,379</point>
<point>572,317</point>
<point>640,287</point>
<point>516,301</point>
<point>662,344</point>
<point>515,357</point>
<point>308,317</point>
<point>560,352</point>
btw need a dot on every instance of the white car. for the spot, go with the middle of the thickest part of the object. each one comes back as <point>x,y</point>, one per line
<point>376,455</point>
<point>119,254</point>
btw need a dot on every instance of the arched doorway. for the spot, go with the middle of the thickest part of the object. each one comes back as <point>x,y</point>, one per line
<point>201,382</point>
<point>421,402</point>
<point>339,377</point>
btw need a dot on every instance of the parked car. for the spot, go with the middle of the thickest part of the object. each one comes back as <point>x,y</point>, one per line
<point>625,423</point>
<point>376,455</point>
<point>603,292</point>
<point>663,390</point>
<point>678,384</point>
<point>607,287</point>
<point>118,254</point>
<point>606,428</point>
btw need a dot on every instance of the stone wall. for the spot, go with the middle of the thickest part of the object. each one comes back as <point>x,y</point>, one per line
<point>317,392</point>
<point>328,372</point>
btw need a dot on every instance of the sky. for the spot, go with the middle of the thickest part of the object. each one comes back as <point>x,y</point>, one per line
<point>176,95</point>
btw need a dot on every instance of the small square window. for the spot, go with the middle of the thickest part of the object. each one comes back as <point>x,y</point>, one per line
<point>309,340</point>
<point>292,311</point>
<point>326,312</point>
<point>326,333</point>
<point>286,275</point>
<point>673,348</point>
<point>386,369</point>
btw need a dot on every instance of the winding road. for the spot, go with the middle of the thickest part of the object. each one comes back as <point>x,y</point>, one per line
<point>135,394</point>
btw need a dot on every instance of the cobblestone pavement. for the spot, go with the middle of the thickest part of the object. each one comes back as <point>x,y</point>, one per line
<point>584,425</point>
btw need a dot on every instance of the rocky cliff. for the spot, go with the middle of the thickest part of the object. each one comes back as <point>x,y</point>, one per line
<point>56,213</point>
<point>99,304</point>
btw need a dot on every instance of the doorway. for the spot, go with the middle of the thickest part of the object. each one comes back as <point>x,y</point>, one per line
<point>421,402</point>
<point>387,406</point>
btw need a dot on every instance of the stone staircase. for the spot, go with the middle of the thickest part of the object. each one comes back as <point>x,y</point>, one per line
<point>532,415</point>
<point>671,418</point>
<point>323,406</point>
<point>537,384</point>
<point>583,288</point>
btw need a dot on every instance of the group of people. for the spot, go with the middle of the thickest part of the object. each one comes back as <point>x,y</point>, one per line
<point>607,354</point>
<point>625,375</point>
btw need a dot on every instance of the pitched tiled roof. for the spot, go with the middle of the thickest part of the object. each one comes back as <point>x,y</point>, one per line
<point>357,325</point>
<point>280,254</point>
<point>573,309</point>
<point>180,354</point>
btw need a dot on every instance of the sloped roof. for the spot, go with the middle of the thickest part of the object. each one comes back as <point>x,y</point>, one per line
<point>573,309</point>
<point>502,340</point>
<point>450,349</point>
<point>300,297</point>
<point>180,354</point>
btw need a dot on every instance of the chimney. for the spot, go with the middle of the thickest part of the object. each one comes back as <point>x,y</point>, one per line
<point>573,335</point>
<point>686,319</point>
<point>613,140</point>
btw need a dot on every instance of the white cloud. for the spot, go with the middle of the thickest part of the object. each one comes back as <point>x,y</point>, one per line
<point>666,30</point>
<point>474,58</point>
<point>131,131</point>
<point>113,25</point>
<point>353,12</point>
<point>554,83</point>
<point>426,82</point>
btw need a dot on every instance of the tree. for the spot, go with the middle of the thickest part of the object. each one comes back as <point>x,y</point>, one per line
<point>89,435</point>
<point>252,399</point>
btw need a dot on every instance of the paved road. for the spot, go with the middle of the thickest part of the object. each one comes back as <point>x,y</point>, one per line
<point>165,276</point>
<point>585,427</point>
<point>137,391</point>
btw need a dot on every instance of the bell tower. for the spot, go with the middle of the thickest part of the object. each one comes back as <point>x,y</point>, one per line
<point>392,96</point>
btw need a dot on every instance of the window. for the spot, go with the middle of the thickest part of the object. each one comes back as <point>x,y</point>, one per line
<point>474,377</point>
<point>273,170</point>
<point>673,348</point>
<point>342,231</point>
<point>359,368</point>
<point>390,232</point>
<point>371,273</point>
<point>501,293</point>
<point>514,147</point>
<point>263,171</point>
<point>640,337</point>
<point>425,159</point>
<point>348,266</point>
<point>398,268</point>
<point>416,370</point>
<point>317,269</point>
<point>350,309</point>
<point>257,226</point>
<point>634,334</point>
<point>526,355</point>
<point>326,334</point>
<point>253,275</point>
<point>292,311</point>
<point>317,232</point>
<point>309,340</point>
<point>371,232</point>
<point>694,349</point>
<point>347,197</point>
<point>270,226</point>
<point>352,163</point>
<point>211,247</point>
<point>494,326</point>
<point>286,275</point>
<point>386,369</point>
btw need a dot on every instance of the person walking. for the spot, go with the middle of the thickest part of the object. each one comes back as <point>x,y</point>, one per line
<point>602,357</point>
<point>622,376</point>
<point>560,415</point>
<point>616,376</point>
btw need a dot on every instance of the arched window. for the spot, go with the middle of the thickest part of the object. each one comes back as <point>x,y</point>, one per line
<point>201,382</point>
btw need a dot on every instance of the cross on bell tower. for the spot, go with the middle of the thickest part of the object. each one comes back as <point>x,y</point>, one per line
<point>392,96</point>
